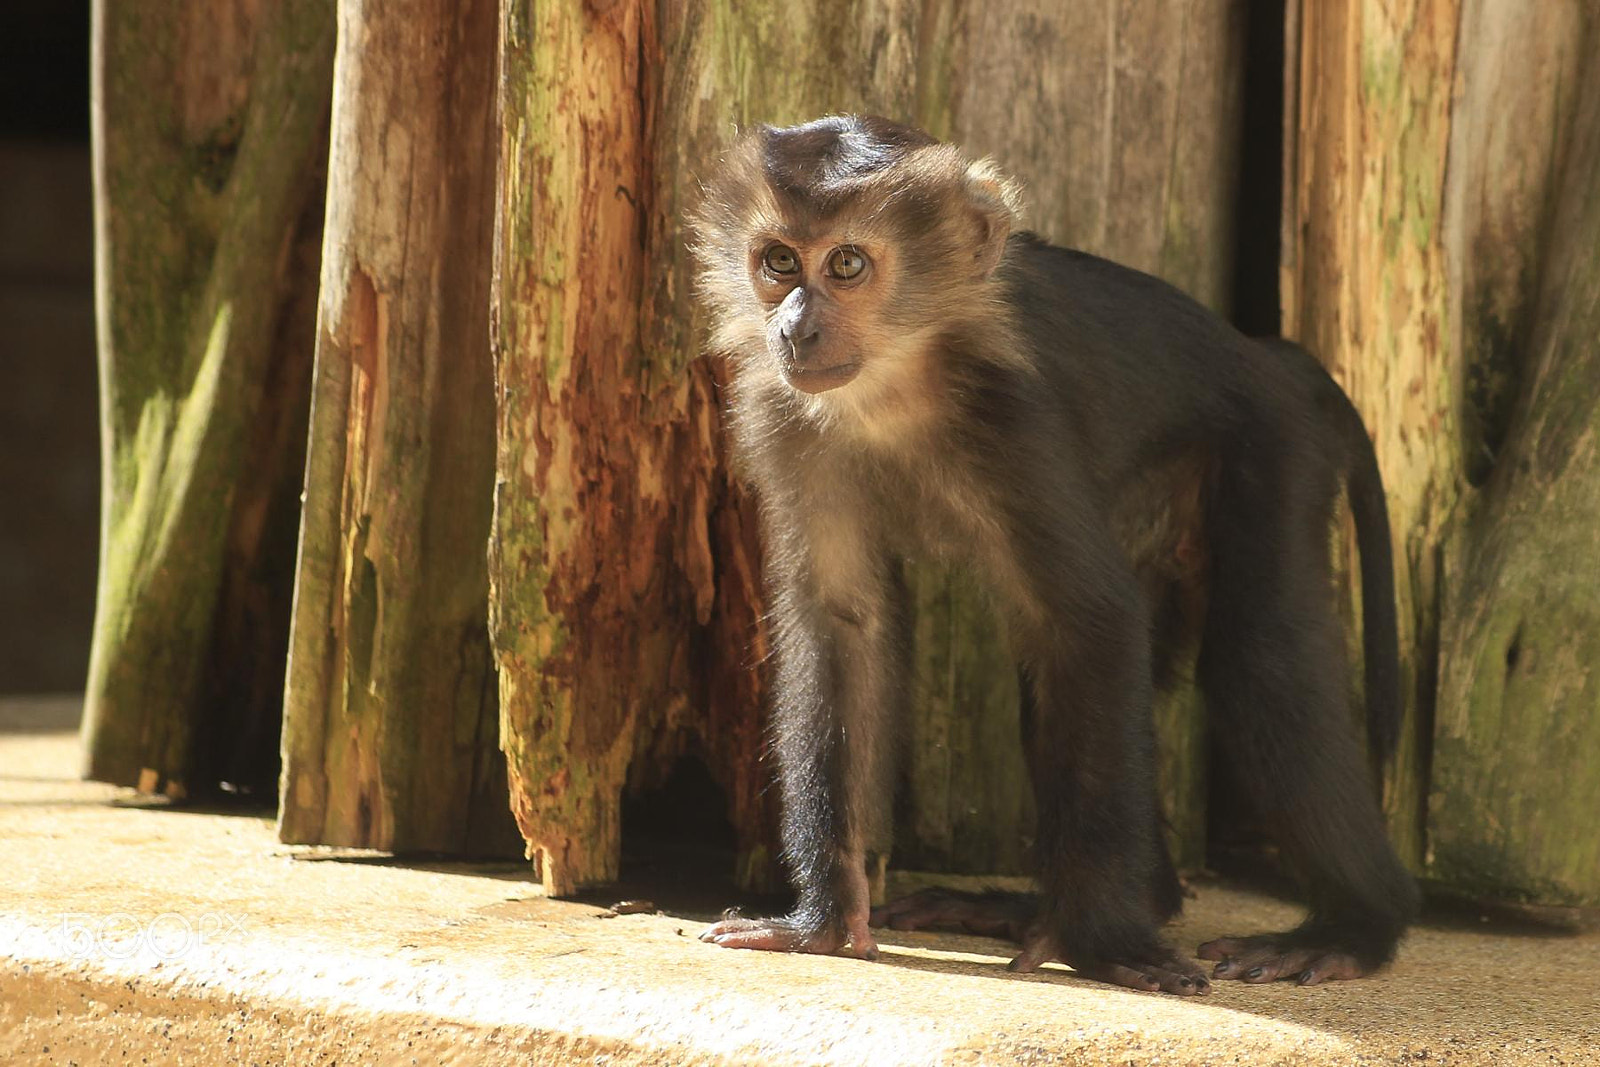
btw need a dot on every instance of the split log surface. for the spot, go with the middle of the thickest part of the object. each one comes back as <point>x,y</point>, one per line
<point>390,730</point>
<point>1516,779</point>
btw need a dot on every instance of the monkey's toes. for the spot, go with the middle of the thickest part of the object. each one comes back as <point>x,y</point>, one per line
<point>1152,972</point>
<point>1271,958</point>
<point>1187,981</point>
<point>779,935</point>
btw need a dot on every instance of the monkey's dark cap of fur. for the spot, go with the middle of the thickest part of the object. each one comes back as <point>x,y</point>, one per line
<point>833,150</point>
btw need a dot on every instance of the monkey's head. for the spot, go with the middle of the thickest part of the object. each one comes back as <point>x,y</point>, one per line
<point>833,254</point>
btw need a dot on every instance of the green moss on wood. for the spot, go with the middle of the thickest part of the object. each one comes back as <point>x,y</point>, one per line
<point>1516,782</point>
<point>189,269</point>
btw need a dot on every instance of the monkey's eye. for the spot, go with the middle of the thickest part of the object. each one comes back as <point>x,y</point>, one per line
<point>846,263</point>
<point>781,259</point>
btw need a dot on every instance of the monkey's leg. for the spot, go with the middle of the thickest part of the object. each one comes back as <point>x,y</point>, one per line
<point>838,704</point>
<point>1092,763</point>
<point>1273,669</point>
<point>1000,913</point>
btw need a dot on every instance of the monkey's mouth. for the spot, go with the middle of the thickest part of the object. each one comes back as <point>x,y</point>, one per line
<point>819,379</point>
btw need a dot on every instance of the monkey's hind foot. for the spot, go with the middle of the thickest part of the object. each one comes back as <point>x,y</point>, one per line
<point>1155,968</point>
<point>1304,956</point>
<point>991,914</point>
<point>784,935</point>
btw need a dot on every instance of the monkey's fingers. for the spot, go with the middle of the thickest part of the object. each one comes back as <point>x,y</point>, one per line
<point>1036,952</point>
<point>1332,967</point>
<point>769,934</point>
<point>1270,958</point>
<point>1172,974</point>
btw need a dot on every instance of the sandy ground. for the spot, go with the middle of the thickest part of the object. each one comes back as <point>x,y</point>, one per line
<point>138,934</point>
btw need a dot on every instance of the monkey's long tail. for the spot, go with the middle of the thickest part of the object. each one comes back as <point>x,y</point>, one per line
<point>1379,626</point>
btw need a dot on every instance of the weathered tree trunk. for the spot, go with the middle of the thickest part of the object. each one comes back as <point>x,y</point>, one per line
<point>1515,786</point>
<point>1455,303</point>
<point>208,126</point>
<point>1364,287</point>
<point>624,562</point>
<point>390,735</point>
<point>614,518</point>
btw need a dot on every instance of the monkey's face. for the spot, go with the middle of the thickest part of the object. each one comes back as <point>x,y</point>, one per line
<point>834,255</point>
<point>817,295</point>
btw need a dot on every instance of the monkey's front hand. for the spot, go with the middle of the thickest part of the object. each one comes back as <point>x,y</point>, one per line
<point>785,935</point>
<point>1152,966</point>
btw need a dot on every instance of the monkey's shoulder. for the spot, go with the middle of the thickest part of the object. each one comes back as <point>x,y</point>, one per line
<point>1038,269</point>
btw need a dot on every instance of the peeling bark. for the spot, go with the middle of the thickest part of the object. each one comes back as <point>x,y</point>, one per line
<point>389,736</point>
<point>576,614</point>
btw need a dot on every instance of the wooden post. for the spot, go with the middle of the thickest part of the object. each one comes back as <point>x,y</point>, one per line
<point>208,126</point>
<point>390,714</point>
<point>1438,256</point>
<point>1516,782</point>
<point>1364,288</point>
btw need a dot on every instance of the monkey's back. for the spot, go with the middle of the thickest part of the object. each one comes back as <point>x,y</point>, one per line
<point>1144,371</point>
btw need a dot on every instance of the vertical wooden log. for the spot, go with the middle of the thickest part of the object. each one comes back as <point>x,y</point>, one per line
<point>1515,786</point>
<point>208,121</point>
<point>577,619</point>
<point>623,562</point>
<point>1448,300</point>
<point>1365,288</point>
<point>390,715</point>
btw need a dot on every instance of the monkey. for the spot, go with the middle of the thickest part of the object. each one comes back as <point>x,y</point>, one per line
<point>912,375</point>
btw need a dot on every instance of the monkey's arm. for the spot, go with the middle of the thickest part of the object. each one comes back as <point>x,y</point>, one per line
<point>839,630</point>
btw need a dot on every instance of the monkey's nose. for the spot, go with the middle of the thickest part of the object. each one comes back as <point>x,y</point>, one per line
<point>800,336</point>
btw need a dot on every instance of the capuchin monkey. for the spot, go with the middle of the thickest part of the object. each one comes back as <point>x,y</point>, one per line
<point>1127,474</point>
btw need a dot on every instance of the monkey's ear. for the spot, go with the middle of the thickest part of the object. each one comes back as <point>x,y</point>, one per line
<point>995,205</point>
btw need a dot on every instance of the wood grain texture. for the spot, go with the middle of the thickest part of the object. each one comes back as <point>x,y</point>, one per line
<point>208,120</point>
<point>1364,287</point>
<point>390,732</point>
<point>1515,784</point>
<point>1438,257</point>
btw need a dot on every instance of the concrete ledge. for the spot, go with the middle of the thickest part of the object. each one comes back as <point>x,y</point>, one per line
<point>131,933</point>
